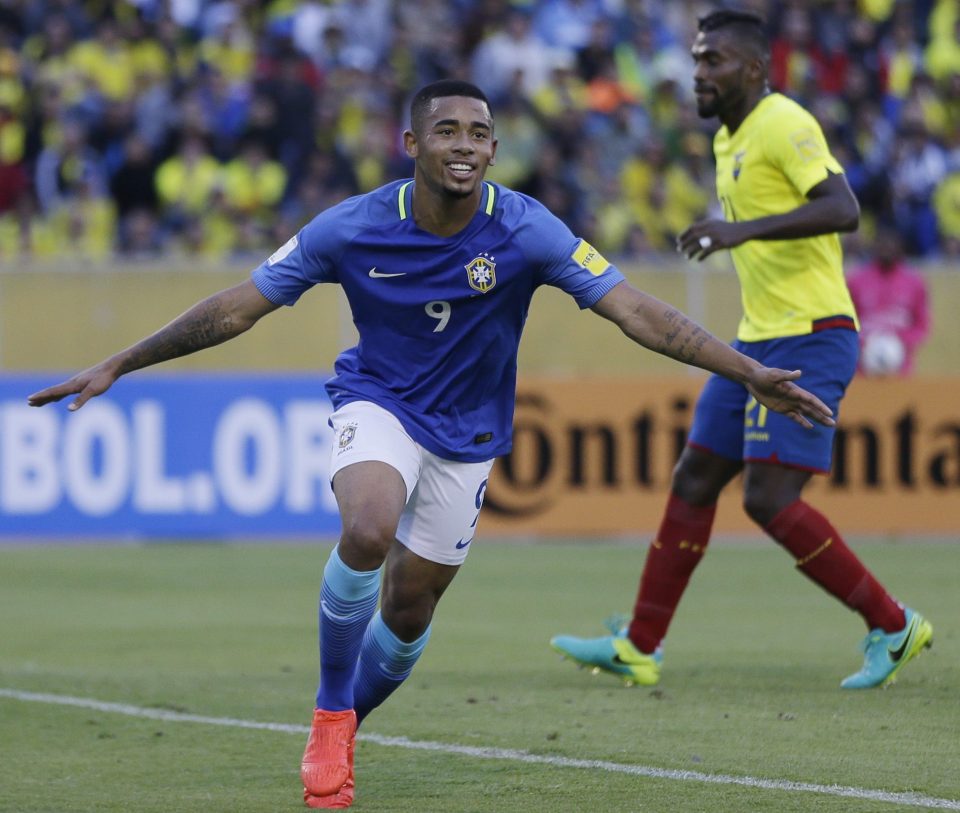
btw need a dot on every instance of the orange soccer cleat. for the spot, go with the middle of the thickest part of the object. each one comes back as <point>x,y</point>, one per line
<point>341,799</point>
<point>327,766</point>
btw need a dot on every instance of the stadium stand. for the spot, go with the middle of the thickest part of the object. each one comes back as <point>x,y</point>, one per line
<point>215,128</point>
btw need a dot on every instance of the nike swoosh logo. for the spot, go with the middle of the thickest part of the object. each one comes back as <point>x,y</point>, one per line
<point>461,544</point>
<point>897,654</point>
<point>374,274</point>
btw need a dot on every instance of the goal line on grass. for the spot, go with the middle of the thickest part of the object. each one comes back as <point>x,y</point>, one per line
<point>506,754</point>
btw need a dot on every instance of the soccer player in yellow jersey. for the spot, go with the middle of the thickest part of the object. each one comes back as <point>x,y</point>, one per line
<point>784,198</point>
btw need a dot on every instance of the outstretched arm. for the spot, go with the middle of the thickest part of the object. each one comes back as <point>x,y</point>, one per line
<point>831,207</point>
<point>210,322</point>
<point>664,329</point>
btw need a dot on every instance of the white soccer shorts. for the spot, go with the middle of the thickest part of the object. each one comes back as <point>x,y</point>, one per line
<point>443,497</point>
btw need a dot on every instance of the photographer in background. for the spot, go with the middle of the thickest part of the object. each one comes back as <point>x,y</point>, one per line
<point>893,307</point>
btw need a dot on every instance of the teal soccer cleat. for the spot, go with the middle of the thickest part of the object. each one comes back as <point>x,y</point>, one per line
<point>887,652</point>
<point>615,654</point>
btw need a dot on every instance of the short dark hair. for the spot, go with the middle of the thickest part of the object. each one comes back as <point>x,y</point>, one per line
<point>747,27</point>
<point>441,90</point>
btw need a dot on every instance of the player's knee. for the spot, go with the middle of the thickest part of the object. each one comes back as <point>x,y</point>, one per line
<point>759,506</point>
<point>365,540</point>
<point>692,486</point>
<point>407,617</point>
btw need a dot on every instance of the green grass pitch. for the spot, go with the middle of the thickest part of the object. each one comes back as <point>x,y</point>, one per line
<point>750,687</point>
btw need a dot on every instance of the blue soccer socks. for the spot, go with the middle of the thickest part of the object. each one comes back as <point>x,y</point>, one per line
<point>385,662</point>
<point>348,600</point>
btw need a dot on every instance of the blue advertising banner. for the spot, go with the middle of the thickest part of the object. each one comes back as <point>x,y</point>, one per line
<point>168,456</point>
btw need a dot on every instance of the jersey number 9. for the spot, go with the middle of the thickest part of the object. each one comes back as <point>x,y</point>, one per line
<point>439,309</point>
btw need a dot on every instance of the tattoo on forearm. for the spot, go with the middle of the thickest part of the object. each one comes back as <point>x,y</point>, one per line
<point>684,338</point>
<point>204,325</point>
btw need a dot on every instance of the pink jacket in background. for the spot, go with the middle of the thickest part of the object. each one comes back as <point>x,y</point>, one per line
<point>892,301</point>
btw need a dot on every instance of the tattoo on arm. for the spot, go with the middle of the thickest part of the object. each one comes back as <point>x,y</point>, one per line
<point>684,338</point>
<point>206,324</point>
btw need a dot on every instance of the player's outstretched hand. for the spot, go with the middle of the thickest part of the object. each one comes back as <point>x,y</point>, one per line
<point>775,390</point>
<point>94,381</point>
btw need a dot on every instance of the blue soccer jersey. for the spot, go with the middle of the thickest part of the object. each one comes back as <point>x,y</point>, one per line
<point>439,318</point>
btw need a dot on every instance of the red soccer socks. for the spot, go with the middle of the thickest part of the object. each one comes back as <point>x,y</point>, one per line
<point>671,560</point>
<point>825,558</point>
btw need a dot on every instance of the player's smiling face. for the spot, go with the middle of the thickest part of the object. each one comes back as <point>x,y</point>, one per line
<point>720,74</point>
<point>453,145</point>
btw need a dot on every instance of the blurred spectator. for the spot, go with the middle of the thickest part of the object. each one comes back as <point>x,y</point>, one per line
<point>105,62</point>
<point>610,221</point>
<point>132,185</point>
<point>520,140</point>
<point>13,92</point>
<point>140,236</point>
<point>946,204</point>
<point>334,175</point>
<point>334,52</point>
<point>666,196</point>
<point>225,106</point>
<point>687,185</point>
<point>594,58</point>
<point>513,54</point>
<point>924,103</point>
<point>292,83</point>
<point>643,61</point>
<point>891,302</point>
<point>46,60</point>
<point>918,166</point>
<point>253,184</point>
<point>564,92</point>
<point>605,93</point>
<point>866,151</point>
<point>308,22</point>
<point>14,185</point>
<point>326,179</point>
<point>942,56</point>
<point>74,16</point>
<point>86,227</point>
<point>213,236</point>
<point>14,179</point>
<point>619,133</point>
<point>566,24</point>
<point>430,35</point>
<point>68,168</point>
<point>799,60</point>
<point>159,57</point>
<point>902,57</point>
<point>109,132</point>
<point>950,97</point>
<point>228,46</point>
<point>367,29</point>
<point>187,182</point>
<point>551,181</point>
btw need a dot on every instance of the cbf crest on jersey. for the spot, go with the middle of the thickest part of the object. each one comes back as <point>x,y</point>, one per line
<point>347,434</point>
<point>482,273</point>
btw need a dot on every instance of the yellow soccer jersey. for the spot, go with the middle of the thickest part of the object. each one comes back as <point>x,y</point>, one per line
<point>766,168</point>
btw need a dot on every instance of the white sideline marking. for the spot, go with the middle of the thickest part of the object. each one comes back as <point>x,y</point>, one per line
<point>508,754</point>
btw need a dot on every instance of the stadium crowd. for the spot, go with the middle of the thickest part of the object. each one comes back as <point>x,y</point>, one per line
<point>216,128</point>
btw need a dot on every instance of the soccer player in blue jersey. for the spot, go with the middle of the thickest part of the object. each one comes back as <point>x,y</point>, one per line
<point>439,272</point>
<point>784,199</point>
